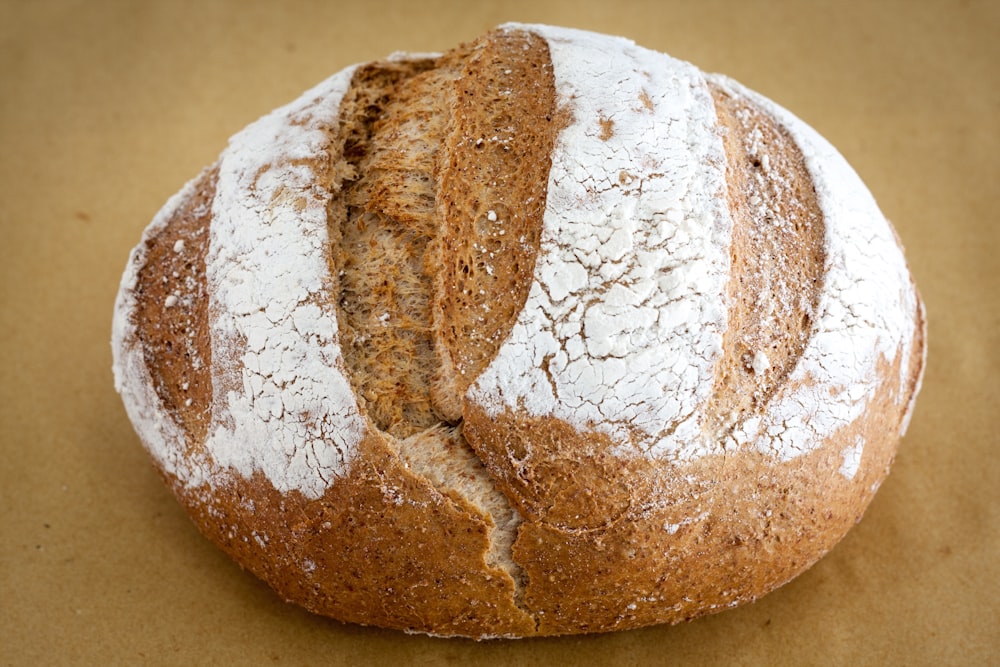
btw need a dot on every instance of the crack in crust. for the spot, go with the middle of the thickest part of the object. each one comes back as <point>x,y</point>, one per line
<point>391,128</point>
<point>437,225</point>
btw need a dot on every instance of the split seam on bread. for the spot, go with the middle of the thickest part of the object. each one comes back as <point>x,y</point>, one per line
<point>432,242</point>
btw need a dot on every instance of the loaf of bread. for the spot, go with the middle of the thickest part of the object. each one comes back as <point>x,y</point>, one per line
<point>549,334</point>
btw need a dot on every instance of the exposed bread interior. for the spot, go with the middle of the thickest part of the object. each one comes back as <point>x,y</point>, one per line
<point>392,130</point>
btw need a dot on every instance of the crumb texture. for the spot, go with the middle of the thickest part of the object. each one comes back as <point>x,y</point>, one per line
<point>392,124</point>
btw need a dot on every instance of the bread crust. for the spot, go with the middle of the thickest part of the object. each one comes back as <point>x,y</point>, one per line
<point>430,491</point>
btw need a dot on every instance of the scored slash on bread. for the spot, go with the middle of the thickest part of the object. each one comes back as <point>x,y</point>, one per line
<point>549,334</point>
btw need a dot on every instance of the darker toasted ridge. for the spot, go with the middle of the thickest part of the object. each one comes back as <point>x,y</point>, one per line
<point>171,315</point>
<point>492,200</point>
<point>777,260</point>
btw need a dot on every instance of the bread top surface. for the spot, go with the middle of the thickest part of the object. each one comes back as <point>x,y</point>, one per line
<point>548,271</point>
<point>622,328</point>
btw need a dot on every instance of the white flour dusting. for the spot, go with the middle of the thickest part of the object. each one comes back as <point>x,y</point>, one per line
<point>282,404</point>
<point>623,324</point>
<point>852,458</point>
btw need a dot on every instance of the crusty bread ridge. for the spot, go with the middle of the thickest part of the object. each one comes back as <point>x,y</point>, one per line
<point>478,345</point>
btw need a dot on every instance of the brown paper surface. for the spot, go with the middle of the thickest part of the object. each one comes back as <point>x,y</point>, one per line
<point>106,109</point>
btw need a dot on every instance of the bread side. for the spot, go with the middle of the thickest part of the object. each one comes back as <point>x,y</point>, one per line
<point>413,517</point>
<point>791,451</point>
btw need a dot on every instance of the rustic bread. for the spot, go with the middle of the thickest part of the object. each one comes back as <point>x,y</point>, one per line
<point>550,334</point>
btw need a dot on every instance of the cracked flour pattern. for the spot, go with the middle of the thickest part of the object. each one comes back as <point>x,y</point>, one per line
<point>624,321</point>
<point>623,324</point>
<point>282,404</point>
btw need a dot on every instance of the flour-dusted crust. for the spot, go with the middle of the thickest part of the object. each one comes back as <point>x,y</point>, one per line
<point>549,334</point>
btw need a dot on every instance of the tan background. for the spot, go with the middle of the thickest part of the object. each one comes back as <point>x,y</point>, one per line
<point>107,108</point>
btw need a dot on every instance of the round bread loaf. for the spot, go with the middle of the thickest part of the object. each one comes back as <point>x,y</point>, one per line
<point>549,334</point>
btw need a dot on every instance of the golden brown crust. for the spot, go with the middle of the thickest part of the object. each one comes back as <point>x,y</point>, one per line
<point>382,547</point>
<point>612,545</point>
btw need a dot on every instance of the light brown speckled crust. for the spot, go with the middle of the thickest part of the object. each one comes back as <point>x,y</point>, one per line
<point>612,545</point>
<point>382,547</point>
<point>601,541</point>
<point>491,200</point>
<point>776,259</point>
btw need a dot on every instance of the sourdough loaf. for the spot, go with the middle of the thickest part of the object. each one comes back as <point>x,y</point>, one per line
<point>549,334</point>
